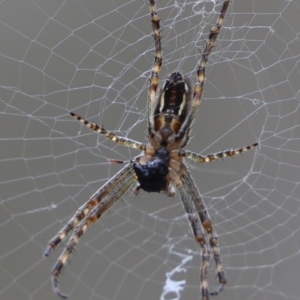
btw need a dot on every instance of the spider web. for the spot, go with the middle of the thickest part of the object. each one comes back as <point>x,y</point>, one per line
<point>94,58</point>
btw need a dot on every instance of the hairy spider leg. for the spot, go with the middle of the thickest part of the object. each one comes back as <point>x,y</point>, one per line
<point>198,89</point>
<point>194,218</point>
<point>195,157</point>
<point>123,184</point>
<point>110,135</point>
<point>154,76</point>
<point>84,210</point>
<point>207,225</point>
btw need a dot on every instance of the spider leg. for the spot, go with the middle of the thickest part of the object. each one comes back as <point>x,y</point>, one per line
<point>211,157</point>
<point>154,79</point>
<point>88,206</point>
<point>114,193</point>
<point>198,89</point>
<point>110,135</point>
<point>206,223</point>
<point>193,217</point>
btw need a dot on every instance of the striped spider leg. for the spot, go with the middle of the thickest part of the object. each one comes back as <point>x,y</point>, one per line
<point>105,197</point>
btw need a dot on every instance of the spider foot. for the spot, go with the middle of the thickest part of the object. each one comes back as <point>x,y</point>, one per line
<point>56,288</point>
<point>116,161</point>
<point>217,290</point>
<point>137,190</point>
<point>47,251</point>
<point>52,245</point>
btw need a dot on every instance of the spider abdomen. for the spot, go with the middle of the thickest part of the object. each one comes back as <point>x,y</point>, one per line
<point>171,109</point>
<point>174,100</point>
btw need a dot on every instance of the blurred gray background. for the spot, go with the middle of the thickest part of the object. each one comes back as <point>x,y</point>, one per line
<point>94,58</point>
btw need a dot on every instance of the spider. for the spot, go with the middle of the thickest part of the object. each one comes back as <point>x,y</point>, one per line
<point>160,167</point>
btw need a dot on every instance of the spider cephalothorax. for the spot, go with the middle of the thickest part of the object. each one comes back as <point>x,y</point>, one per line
<point>160,167</point>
